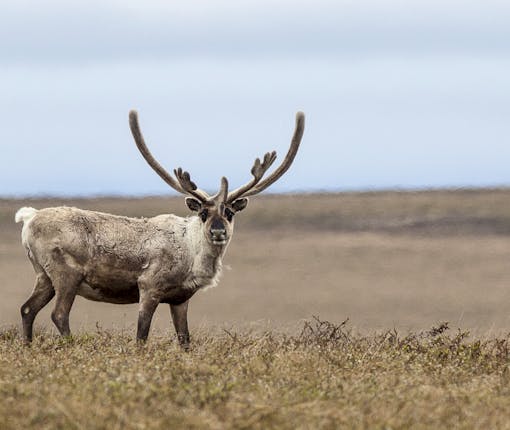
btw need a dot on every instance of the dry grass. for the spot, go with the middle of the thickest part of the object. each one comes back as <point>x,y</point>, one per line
<point>394,263</point>
<point>325,377</point>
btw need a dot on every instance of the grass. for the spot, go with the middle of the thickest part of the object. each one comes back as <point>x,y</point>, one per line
<point>325,377</point>
<point>386,259</point>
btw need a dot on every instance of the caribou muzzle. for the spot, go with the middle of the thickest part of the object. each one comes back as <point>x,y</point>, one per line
<point>219,237</point>
<point>218,232</point>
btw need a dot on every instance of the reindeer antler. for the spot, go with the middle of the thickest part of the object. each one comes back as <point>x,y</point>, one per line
<point>259,169</point>
<point>183,184</point>
<point>189,186</point>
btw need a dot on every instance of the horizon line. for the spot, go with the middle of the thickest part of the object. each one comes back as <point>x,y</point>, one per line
<point>367,190</point>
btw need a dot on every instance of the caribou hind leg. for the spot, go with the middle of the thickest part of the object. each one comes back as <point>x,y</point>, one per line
<point>64,301</point>
<point>41,295</point>
<point>65,294</point>
<point>65,280</point>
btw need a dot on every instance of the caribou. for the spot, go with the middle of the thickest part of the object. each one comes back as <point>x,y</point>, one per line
<point>117,259</point>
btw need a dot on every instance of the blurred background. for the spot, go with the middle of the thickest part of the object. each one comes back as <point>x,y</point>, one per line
<point>400,97</point>
<point>409,94</point>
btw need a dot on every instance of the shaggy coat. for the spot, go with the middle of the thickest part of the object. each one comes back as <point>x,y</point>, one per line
<point>116,259</point>
<point>112,255</point>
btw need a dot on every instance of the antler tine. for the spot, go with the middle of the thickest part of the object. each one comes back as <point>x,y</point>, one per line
<point>222,194</point>
<point>142,147</point>
<point>189,186</point>
<point>258,170</point>
<point>289,158</point>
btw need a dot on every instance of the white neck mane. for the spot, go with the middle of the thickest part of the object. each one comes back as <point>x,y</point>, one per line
<point>207,258</point>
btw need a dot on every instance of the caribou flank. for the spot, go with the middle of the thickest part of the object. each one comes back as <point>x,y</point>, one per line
<point>116,259</point>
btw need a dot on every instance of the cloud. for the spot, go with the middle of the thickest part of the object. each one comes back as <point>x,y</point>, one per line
<point>111,30</point>
<point>410,93</point>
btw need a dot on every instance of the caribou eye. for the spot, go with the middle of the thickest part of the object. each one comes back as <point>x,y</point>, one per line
<point>203,215</point>
<point>229,214</point>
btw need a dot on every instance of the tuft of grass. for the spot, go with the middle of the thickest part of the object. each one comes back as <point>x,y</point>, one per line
<point>326,376</point>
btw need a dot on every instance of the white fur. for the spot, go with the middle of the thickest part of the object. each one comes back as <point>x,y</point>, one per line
<point>25,214</point>
<point>201,248</point>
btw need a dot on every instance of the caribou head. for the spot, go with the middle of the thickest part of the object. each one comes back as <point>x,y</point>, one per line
<point>217,212</point>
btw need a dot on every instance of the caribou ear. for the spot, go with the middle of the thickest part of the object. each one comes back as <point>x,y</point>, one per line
<point>193,204</point>
<point>240,204</point>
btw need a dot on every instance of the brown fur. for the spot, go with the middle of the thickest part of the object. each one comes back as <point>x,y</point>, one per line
<point>116,259</point>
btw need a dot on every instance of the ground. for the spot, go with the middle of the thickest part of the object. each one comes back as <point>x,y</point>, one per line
<point>324,377</point>
<point>394,263</point>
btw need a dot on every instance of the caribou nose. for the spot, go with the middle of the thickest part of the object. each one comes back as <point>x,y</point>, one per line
<point>218,231</point>
<point>218,236</point>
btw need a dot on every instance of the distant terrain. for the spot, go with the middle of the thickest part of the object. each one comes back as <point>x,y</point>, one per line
<point>385,310</point>
<point>381,259</point>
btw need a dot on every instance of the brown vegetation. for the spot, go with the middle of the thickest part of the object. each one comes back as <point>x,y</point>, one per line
<point>325,377</point>
<point>393,263</point>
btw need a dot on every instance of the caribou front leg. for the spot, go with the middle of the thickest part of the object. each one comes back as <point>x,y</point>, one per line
<point>147,307</point>
<point>180,319</point>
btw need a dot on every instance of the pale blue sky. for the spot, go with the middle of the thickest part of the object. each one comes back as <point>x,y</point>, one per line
<point>397,94</point>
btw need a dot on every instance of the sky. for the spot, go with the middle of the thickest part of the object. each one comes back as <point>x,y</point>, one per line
<point>397,94</point>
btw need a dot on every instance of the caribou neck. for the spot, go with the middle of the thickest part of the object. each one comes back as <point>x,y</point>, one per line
<point>207,258</point>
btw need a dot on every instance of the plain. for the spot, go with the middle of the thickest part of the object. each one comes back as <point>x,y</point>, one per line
<point>394,263</point>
